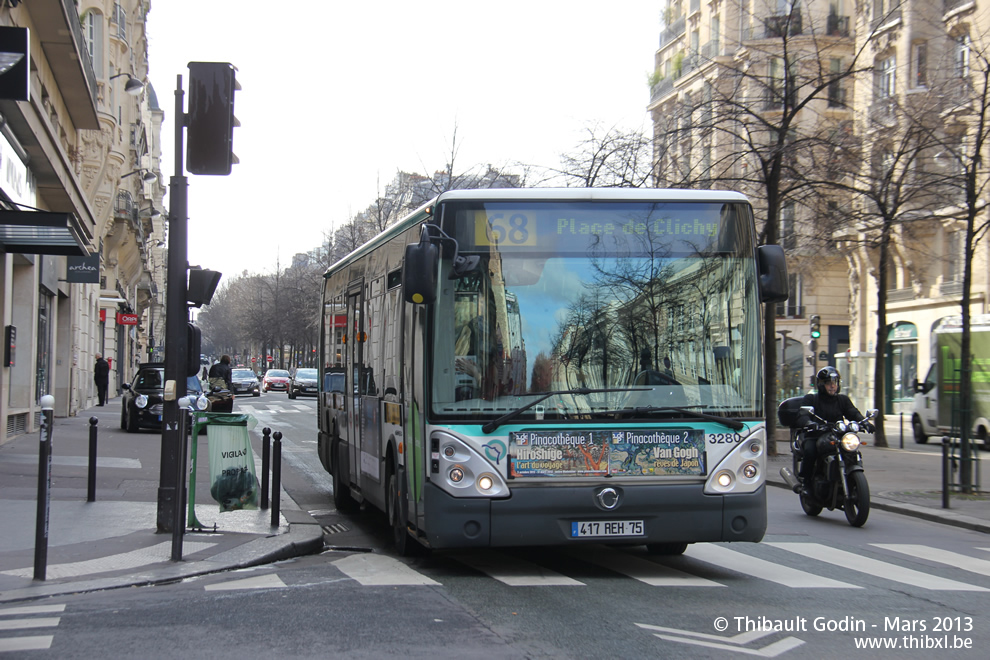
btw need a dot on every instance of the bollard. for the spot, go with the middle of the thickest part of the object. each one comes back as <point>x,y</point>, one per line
<point>266,447</point>
<point>44,488</point>
<point>276,474</point>
<point>902,430</point>
<point>945,473</point>
<point>91,481</point>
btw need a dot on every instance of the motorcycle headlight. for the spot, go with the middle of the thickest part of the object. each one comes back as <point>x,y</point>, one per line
<point>850,442</point>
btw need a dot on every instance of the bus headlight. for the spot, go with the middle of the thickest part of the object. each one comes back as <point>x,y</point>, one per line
<point>743,469</point>
<point>459,469</point>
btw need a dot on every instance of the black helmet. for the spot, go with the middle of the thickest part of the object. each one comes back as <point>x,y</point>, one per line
<point>828,375</point>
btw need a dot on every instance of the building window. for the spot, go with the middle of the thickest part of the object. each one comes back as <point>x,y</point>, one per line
<point>961,53</point>
<point>886,77</point>
<point>788,233</point>
<point>920,60</point>
<point>93,36</point>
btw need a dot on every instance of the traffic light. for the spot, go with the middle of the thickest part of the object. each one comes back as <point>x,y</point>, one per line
<point>816,326</point>
<point>194,344</point>
<point>210,120</point>
<point>202,285</point>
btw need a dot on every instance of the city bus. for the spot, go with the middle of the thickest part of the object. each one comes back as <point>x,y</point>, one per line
<point>526,367</point>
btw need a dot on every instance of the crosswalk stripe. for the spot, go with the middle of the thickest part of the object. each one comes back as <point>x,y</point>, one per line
<point>513,571</point>
<point>39,643</point>
<point>258,582</point>
<point>648,572</point>
<point>971,564</point>
<point>43,622</point>
<point>853,562</point>
<point>379,570</point>
<point>31,609</point>
<point>760,568</point>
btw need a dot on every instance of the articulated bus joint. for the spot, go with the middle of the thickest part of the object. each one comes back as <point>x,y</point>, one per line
<point>743,470</point>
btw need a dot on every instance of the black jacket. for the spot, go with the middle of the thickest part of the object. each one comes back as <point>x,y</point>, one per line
<point>101,371</point>
<point>832,408</point>
<point>221,370</point>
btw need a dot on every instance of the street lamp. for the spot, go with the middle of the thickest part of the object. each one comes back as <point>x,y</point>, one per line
<point>133,86</point>
<point>148,176</point>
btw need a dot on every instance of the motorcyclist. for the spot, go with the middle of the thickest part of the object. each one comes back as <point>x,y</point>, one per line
<point>221,374</point>
<point>831,406</point>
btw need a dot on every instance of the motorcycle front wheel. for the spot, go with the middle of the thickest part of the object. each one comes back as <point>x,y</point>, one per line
<point>857,506</point>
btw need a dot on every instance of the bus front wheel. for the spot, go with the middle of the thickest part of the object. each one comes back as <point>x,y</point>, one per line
<point>405,545</point>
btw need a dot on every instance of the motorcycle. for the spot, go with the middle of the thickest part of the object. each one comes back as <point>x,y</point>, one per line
<point>838,481</point>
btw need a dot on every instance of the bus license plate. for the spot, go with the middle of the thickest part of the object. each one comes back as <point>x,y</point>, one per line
<point>606,528</point>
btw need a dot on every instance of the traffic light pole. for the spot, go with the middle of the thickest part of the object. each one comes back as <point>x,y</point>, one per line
<point>176,313</point>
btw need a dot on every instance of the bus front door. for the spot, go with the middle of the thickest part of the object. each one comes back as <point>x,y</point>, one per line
<point>355,364</point>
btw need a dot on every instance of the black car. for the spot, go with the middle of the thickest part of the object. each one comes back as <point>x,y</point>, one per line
<point>243,381</point>
<point>141,404</point>
<point>304,382</point>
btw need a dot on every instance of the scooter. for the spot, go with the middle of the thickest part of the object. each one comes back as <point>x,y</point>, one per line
<point>838,481</point>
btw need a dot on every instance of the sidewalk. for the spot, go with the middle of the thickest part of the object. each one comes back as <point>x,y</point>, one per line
<point>113,542</point>
<point>909,480</point>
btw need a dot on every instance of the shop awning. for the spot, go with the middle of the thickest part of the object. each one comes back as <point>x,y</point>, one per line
<point>41,232</point>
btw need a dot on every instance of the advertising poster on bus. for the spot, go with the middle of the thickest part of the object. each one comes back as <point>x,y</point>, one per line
<point>649,453</point>
<point>558,453</point>
<point>672,452</point>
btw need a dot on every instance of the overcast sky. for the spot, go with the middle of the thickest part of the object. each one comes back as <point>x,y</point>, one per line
<point>337,97</point>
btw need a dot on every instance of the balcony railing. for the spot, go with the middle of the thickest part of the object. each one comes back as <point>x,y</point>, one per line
<point>123,206</point>
<point>781,25</point>
<point>675,30</point>
<point>789,311</point>
<point>890,18</point>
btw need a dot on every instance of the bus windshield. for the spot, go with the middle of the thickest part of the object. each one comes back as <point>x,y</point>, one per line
<point>648,305</point>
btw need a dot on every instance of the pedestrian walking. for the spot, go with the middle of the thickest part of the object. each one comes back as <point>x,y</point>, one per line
<point>101,376</point>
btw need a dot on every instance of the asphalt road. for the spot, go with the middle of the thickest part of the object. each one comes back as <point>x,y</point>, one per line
<point>814,588</point>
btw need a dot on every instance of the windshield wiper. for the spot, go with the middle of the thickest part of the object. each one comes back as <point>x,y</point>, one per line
<point>495,423</point>
<point>733,424</point>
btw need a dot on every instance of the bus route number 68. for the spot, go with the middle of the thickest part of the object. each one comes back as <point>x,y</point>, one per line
<point>504,228</point>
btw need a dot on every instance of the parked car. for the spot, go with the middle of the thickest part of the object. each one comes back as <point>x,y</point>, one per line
<point>275,379</point>
<point>141,403</point>
<point>304,382</point>
<point>243,381</point>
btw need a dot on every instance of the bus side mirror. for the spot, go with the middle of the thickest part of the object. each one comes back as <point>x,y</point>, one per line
<point>773,273</point>
<point>419,272</point>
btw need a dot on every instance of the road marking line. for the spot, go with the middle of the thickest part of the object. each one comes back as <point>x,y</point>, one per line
<point>954,559</point>
<point>855,562</point>
<point>648,572</point>
<point>32,609</point>
<point>760,568</point>
<point>26,643</point>
<point>513,571</point>
<point>42,622</point>
<point>259,582</point>
<point>379,570</point>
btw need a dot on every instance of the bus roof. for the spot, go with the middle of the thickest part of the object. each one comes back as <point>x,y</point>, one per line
<point>542,194</point>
